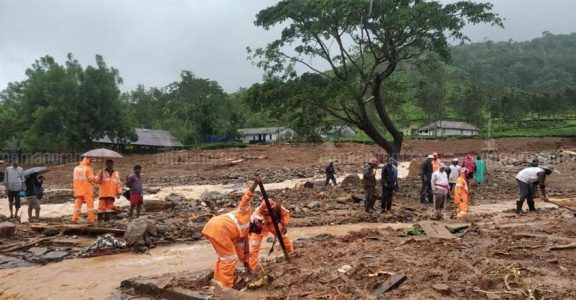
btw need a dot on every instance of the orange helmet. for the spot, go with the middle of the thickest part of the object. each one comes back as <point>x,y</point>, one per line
<point>264,209</point>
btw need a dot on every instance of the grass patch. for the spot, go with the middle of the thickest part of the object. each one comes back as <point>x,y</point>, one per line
<point>215,146</point>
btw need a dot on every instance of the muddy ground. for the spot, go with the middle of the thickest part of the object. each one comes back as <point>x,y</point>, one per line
<point>473,266</point>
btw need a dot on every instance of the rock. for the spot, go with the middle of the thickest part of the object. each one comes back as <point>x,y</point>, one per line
<point>313,204</point>
<point>414,168</point>
<point>175,198</point>
<point>351,180</point>
<point>152,191</point>
<point>121,215</point>
<point>369,256</point>
<point>321,195</point>
<point>344,200</point>
<point>323,237</point>
<point>7,230</point>
<point>55,255</point>
<point>139,229</point>
<point>38,251</point>
<point>51,231</point>
<point>211,196</point>
<point>309,184</point>
<point>157,205</point>
<point>3,218</point>
<point>442,288</point>
<point>269,240</point>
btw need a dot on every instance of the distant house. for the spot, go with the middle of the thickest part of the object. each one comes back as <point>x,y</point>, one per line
<point>338,131</point>
<point>449,128</point>
<point>265,134</point>
<point>409,131</point>
<point>148,139</point>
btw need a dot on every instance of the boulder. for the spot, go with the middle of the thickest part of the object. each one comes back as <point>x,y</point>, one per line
<point>313,204</point>
<point>152,191</point>
<point>414,168</point>
<point>139,229</point>
<point>344,200</point>
<point>7,230</point>
<point>51,231</point>
<point>442,288</point>
<point>158,205</point>
<point>175,198</point>
<point>211,196</point>
<point>55,255</point>
<point>309,184</point>
<point>352,180</point>
<point>38,251</point>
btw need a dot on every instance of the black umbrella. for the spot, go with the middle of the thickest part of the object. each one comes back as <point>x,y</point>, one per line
<point>35,170</point>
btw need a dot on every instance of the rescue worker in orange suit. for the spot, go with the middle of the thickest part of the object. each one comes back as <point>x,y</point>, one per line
<point>461,195</point>
<point>228,234</point>
<point>261,225</point>
<point>82,180</point>
<point>108,181</point>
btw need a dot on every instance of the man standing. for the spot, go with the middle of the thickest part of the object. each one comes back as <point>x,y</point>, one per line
<point>13,182</point>
<point>388,185</point>
<point>440,189</point>
<point>34,193</point>
<point>109,188</point>
<point>527,178</point>
<point>330,174</point>
<point>228,234</point>
<point>134,183</point>
<point>82,180</point>
<point>453,174</point>
<point>425,177</point>
<point>369,180</point>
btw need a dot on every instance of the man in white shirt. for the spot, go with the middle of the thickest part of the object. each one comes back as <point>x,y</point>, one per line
<point>454,173</point>
<point>440,188</point>
<point>14,182</point>
<point>529,178</point>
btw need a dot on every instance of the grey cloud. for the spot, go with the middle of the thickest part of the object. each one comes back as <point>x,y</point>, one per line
<point>151,41</point>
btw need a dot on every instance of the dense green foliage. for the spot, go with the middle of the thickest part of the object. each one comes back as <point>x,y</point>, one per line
<point>64,107</point>
<point>519,88</point>
<point>363,42</point>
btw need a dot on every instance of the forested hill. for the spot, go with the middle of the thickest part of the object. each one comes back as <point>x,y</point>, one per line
<point>545,64</point>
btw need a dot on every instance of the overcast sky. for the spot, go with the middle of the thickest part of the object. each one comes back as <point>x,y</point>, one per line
<point>151,41</point>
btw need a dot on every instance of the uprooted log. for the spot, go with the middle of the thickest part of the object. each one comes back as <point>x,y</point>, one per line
<point>78,229</point>
<point>32,242</point>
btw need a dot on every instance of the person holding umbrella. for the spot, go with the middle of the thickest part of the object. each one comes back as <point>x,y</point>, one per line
<point>82,180</point>
<point>34,192</point>
<point>110,187</point>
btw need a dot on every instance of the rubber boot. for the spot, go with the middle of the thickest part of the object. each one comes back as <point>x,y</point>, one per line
<point>519,207</point>
<point>531,205</point>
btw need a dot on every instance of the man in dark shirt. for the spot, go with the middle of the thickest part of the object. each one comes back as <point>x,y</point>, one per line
<point>426,177</point>
<point>369,180</point>
<point>330,174</point>
<point>388,185</point>
<point>134,183</point>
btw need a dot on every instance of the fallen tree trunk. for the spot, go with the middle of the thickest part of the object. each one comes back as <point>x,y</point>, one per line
<point>78,228</point>
<point>29,243</point>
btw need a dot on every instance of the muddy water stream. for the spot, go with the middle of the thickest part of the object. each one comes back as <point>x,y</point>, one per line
<point>98,277</point>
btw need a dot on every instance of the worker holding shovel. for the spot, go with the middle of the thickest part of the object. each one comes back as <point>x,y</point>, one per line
<point>228,234</point>
<point>261,225</point>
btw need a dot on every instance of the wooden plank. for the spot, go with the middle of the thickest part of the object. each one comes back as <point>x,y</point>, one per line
<point>563,247</point>
<point>436,230</point>
<point>392,282</point>
<point>78,228</point>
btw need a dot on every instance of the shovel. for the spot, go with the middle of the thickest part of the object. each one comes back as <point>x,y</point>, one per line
<point>560,205</point>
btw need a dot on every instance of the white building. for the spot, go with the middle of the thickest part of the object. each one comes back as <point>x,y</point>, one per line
<point>338,131</point>
<point>266,134</point>
<point>449,128</point>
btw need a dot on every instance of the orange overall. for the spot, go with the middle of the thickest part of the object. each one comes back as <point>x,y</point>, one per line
<point>268,227</point>
<point>461,196</point>
<point>109,187</point>
<point>228,234</point>
<point>82,180</point>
